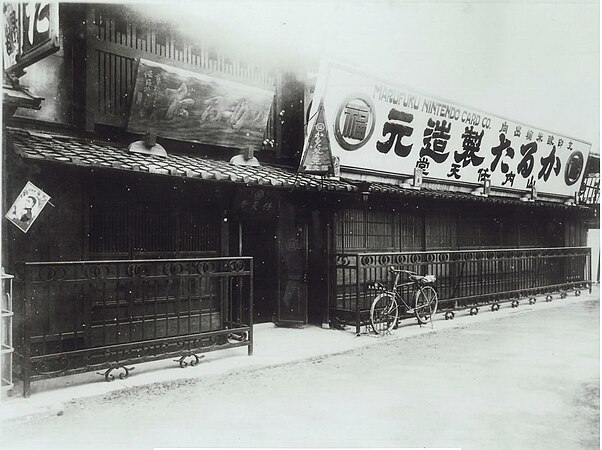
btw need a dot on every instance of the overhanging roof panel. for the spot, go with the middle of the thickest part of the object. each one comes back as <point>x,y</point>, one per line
<point>90,153</point>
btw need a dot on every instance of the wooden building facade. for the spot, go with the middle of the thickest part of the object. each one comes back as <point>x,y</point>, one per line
<point>109,204</point>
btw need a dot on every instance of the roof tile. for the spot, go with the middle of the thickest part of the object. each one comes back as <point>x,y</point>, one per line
<point>72,150</point>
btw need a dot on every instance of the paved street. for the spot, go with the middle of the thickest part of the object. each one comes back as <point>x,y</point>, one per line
<point>524,381</point>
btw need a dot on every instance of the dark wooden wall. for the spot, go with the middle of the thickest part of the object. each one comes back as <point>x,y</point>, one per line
<point>108,214</point>
<point>431,225</point>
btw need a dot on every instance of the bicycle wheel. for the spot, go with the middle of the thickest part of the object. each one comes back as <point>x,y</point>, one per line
<point>383,313</point>
<point>426,301</point>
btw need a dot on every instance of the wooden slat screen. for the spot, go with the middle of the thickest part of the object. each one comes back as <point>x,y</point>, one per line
<point>116,78</point>
<point>130,228</point>
<point>117,39</point>
<point>386,230</point>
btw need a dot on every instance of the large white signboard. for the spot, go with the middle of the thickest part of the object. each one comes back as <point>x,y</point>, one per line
<point>376,127</point>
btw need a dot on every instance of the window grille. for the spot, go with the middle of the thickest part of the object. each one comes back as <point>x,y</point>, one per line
<point>128,228</point>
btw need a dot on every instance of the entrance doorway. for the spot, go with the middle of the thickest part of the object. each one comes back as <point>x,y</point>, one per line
<point>259,240</point>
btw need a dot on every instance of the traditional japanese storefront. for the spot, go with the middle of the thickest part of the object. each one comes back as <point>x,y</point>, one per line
<point>133,248</point>
<point>443,188</point>
<point>177,216</point>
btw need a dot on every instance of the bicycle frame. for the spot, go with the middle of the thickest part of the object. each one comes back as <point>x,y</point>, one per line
<point>395,290</point>
<point>399,298</point>
<point>386,307</point>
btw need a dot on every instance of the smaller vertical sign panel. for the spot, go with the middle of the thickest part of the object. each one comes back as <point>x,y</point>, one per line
<point>317,158</point>
<point>381,128</point>
<point>190,106</point>
<point>31,33</point>
<point>27,207</point>
<point>10,17</point>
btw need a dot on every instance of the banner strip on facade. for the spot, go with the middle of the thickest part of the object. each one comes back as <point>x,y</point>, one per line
<point>381,128</point>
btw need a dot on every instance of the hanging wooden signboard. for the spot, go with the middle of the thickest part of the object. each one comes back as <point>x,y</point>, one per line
<point>31,32</point>
<point>317,157</point>
<point>190,106</point>
<point>383,129</point>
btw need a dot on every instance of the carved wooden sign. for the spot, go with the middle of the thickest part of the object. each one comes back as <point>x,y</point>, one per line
<point>256,202</point>
<point>190,106</point>
<point>31,33</point>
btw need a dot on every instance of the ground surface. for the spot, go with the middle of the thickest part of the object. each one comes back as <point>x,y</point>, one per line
<point>529,381</point>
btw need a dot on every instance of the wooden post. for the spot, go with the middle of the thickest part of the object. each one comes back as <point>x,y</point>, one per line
<point>92,69</point>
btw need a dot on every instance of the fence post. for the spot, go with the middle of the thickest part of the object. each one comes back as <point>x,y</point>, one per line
<point>250,347</point>
<point>588,257</point>
<point>357,295</point>
<point>26,337</point>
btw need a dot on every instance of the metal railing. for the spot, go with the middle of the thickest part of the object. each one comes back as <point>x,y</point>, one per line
<point>82,316</point>
<point>464,277</point>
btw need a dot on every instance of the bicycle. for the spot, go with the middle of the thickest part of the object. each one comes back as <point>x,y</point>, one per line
<point>384,311</point>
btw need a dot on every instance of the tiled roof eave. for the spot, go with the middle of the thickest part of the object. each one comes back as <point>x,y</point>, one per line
<point>95,154</point>
<point>92,154</point>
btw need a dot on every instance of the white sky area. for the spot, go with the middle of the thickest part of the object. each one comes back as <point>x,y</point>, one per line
<point>531,62</point>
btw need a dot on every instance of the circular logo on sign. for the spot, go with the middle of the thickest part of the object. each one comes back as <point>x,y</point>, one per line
<point>320,127</point>
<point>354,123</point>
<point>574,167</point>
<point>292,245</point>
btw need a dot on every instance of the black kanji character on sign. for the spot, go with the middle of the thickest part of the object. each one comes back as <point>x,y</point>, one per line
<point>525,167</point>
<point>531,183</point>
<point>539,137</point>
<point>455,171</point>
<point>560,142</point>
<point>423,164</point>
<point>503,128</point>
<point>396,131</point>
<point>436,135</point>
<point>509,179</point>
<point>550,140</point>
<point>483,175</point>
<point>498,152</point>
<point>530,135</point>
<point>356,121</point>
<point>570,147</point>
<point>517,131</point>
<point>471,144</point>
<point>548,163</point>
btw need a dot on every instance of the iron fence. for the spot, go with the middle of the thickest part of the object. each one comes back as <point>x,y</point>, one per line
<point>464,277</point>
<point>89,315</point>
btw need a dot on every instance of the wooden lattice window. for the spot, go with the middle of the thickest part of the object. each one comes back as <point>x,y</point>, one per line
<point>528,235</point>
<point>411,231</point>
<point>469,234</point>
<point>441,229</point>
<point>118,37</point>
<point>379,230</point>
<point>129,228</point>
<point>509,233</point>
<point>351,229</point>
<point>109,228</point>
